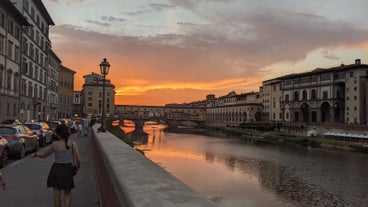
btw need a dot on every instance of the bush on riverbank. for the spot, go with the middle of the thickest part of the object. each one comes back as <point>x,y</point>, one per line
<point>118,132</point>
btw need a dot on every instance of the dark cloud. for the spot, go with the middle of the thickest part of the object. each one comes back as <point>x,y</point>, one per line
<point>328,55</point>
<point>112,19</point>
<point>104,24</point>
<point>159,7</point>
<point>153,7</point>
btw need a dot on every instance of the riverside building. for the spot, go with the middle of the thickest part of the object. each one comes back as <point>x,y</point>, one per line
<point>233,109</point>
<point>333,95</point>
<point>92,95</point>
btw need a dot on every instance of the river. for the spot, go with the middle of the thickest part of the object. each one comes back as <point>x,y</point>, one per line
<point>235,173</point>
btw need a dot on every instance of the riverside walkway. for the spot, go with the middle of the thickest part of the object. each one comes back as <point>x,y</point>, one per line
<point>26,180</point>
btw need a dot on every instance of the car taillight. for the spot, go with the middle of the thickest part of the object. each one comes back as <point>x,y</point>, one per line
<point>11,137</point>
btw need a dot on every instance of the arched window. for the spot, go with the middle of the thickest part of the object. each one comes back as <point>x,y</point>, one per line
<point>314,94</point>
<point>296,96</point>
<point>305,96</point>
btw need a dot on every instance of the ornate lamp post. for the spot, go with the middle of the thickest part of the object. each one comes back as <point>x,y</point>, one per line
<point>104,67</point>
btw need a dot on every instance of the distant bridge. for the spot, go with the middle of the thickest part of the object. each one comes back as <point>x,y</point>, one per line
<point>172,116</point>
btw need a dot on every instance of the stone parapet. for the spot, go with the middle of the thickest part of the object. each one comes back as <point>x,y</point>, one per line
<point>136,180</point>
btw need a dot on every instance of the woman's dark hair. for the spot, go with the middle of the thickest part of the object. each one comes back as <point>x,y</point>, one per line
<point>62,130</point>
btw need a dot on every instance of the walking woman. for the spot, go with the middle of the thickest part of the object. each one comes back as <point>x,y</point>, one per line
<point>61,174</point>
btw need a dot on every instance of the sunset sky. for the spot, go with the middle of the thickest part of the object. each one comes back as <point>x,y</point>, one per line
<point>175,51</point>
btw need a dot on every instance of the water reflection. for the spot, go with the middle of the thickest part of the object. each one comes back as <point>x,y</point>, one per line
<point>235,173</point>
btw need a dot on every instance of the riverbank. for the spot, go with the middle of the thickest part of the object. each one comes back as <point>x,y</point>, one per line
<point>278,137</point>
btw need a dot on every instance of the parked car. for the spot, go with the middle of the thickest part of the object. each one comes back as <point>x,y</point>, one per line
<point>53,125</point>
<point>4,151</point>
<point>43,131</point>
<point>20,139</point>
<point>11,121</point>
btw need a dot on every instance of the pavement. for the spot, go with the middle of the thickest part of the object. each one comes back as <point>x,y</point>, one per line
<point>26,180</point>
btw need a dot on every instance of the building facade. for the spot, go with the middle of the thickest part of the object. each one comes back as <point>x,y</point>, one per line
<point>271,95</point>
<point>77,104</point>
<point>52,86</point>
<point>11,23</point>
<point>233,109</point>
<point>65,90</point>
<point>334,95</point>
<point>34,61</point>
<point>92,96</point>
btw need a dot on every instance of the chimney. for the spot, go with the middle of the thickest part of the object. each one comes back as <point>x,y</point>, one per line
<point>357,62</point>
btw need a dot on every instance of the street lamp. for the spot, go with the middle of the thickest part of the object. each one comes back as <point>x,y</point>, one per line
<point>104,67</point>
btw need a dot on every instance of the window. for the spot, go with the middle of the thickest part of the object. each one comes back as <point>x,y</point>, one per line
<point>17,54</point>
<point>35,94</point>
<point>9,79</point>
<point>2,20</point>
<point>286,82</point>
<point>31,51</point>
<point>296,96</point>
<point>30,89</point>
<point>7,109</point>
<point>10,49</point>
<point>325,95</point>
<point>16,82</point>
<point>2,43</point>
<point>36,72</point>
<point>325,77</point>
<point>296,116</point>
<point>17,33</point>
<point>1,75</point>
<point>10,27</point>
<point>286,97</point>
<point>305,95</point>
<point>14,109</point>
<point>23,86</point>
<point>314,94</point>
<point>351,74</point>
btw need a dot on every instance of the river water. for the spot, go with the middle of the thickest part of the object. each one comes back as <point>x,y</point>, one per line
<point>235,173</point>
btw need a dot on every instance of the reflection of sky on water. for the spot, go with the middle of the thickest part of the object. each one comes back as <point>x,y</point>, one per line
<point>234,173</point>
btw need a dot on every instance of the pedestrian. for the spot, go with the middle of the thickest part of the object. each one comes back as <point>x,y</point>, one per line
<point>2,182</point>
<point>85,126</point>
<point>80,127</point>
<point>60,177</point>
